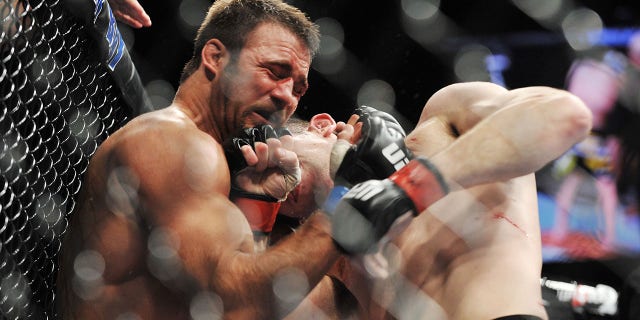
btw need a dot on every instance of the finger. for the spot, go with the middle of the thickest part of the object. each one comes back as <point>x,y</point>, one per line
<point>287,142</point>
<point>137,12</point>
<point>274,146</point>
<point>357,132</point>
<point>353,119</point>
<point>344,131</point>
<point>127,19</point>
<point>290,165</point>
<point>249,155</point>
<point>262,153</point>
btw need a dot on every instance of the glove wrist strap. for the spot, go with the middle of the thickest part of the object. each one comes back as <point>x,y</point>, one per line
<point>260,210</point>
<point>239,193</point>
<point>422,182</point>
<point>333,198</point>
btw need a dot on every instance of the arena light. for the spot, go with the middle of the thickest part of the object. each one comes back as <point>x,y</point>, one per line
<point>420,9</point>
<point>206,305</point>
<point>581,28</point>
<point>15,292</point>
<point>88,266</point>
<point>122,192</point>
<point>423,21</point>
<point>290,286</point>
<point>160,92</point>
<point>496,65</point>
<point>190,14</point>
<point>615,37</point>
<point>470,63</point>
<point>331,57</point>
<point>163,260</point>
<point>545,12</point>
<point>378,94</point>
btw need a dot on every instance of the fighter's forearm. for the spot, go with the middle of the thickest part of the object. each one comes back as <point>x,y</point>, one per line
<point>330,299</point>
<point>257,282</point>
<point>535,126</point>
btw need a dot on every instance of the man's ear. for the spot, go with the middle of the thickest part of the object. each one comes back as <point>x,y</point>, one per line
<point>212,55</point>
<point>322,124</point>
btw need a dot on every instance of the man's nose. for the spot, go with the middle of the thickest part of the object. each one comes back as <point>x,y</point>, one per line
<point>287,99</point>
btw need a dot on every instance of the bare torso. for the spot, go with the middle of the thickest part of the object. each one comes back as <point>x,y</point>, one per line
<point>113,262</point>
<point>476,252</point>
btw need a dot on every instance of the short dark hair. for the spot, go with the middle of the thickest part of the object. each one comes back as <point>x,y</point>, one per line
<point>230,21</point>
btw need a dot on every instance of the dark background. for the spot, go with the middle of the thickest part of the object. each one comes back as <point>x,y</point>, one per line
<point>380,48</point>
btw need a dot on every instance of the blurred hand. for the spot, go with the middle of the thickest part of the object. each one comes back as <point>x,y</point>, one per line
<point>130,12</point>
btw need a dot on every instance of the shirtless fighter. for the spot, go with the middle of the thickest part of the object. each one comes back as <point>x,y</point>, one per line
<point>475,254</point>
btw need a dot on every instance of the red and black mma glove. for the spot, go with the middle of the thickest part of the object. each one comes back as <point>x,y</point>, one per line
<point>375,208</point>
<point>390,188</point>
<point>259,209</point>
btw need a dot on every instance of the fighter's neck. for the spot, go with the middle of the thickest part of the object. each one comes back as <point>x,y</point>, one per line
<point>197,108</point>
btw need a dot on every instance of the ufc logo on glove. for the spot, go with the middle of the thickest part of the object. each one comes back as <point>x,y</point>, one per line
<point>395,155</point>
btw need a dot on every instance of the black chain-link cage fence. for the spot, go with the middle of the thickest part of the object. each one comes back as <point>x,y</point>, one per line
<point>59,102</point>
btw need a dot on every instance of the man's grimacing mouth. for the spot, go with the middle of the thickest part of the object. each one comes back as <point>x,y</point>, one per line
<point>270,117</point>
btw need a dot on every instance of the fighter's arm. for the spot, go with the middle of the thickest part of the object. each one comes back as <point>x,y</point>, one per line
<point>509,133</point>
<point>185,195</point>
<point>330,299</point>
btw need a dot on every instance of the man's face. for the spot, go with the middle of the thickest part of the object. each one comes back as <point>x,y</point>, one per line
<point>314,152</point>
<point>266,81</point>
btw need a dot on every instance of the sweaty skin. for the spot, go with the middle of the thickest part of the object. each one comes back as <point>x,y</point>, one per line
<point>475,254</point>
<point>154,233</point>
<point>481,240</point>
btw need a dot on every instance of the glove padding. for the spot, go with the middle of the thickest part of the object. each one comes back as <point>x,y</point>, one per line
<point>368,211</point>
<point>280,182</point>
<point>379,152</point>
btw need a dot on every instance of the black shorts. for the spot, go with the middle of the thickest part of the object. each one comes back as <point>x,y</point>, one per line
<point>519,317</point>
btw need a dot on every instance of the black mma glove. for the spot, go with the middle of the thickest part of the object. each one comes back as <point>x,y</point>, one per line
<point>379,152</point>
<point>259,209</point>
<point>248,137</point>
<point>368,211</point>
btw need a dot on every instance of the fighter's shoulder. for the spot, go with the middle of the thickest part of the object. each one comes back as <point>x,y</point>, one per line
<point>157,139</point>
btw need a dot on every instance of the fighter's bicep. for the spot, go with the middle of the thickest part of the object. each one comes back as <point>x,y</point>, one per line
<point>208,231</point>
<point>184,205</point>
<point>194,232</point>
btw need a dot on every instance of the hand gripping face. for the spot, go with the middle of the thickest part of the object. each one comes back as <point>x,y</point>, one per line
<point>248,137</point>
<point>260,208</point>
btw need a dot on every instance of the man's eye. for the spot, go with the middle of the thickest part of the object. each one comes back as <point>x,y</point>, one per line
<point>277,74</point>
